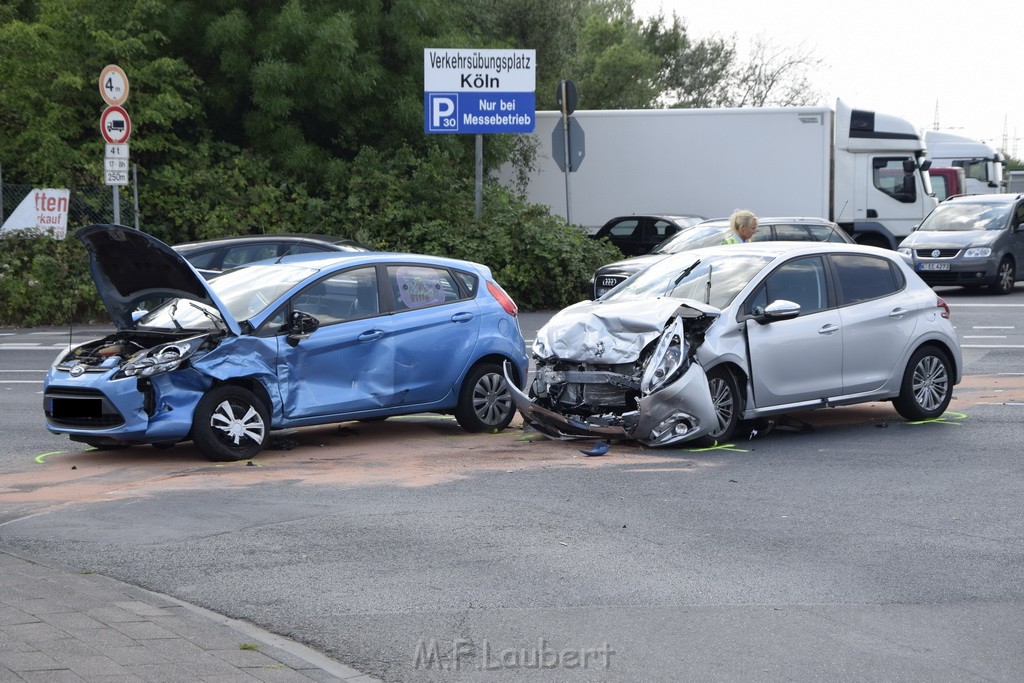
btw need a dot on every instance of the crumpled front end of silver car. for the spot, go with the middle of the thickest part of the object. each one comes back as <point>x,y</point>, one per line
<point>621,371</point>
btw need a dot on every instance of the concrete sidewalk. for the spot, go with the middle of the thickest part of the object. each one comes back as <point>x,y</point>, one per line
<point>59,625</point>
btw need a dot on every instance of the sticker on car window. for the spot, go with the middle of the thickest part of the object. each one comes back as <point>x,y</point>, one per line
<point>419,287</point>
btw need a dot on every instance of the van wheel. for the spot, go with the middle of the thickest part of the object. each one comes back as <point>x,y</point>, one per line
<point>927,385</point>
<point>1006,275</point>
<point>230,423</point>
<point>485,401</point>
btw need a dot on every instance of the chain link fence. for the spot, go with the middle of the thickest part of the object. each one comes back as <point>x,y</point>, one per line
<point>86,205</point>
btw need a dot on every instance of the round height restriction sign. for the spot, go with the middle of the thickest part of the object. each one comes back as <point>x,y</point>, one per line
<point>115,125</point>
<point>113,85</point>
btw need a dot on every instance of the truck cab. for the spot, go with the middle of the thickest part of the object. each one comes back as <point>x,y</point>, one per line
<point>947,181</point>
<point>984,167</point>
<point>882,190</point>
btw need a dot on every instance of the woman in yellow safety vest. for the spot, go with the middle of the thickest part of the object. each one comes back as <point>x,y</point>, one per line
<point>742,224</point>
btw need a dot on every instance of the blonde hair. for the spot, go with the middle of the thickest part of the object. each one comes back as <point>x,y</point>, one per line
<point>741,218</point>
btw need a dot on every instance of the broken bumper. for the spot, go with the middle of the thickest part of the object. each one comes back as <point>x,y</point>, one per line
<point>679,412</point>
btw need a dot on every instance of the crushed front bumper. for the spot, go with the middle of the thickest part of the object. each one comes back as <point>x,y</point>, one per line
<point>679,412</point>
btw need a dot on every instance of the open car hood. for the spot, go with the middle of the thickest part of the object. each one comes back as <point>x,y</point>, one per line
<point>611,332</point>
<point>129,266</point>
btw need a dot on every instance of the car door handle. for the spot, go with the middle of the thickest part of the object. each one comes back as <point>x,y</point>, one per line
<point>464,317</point>
<point>898,312</point>
<point>370,335</point>
<point>828,329</point>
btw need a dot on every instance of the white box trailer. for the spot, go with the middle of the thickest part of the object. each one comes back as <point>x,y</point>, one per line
<point>858,168</point>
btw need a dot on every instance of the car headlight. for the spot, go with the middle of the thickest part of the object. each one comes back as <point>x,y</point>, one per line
<point>668,360</point>
<point>163,358</point>
<point>978,252</point>
<point>906,251</point>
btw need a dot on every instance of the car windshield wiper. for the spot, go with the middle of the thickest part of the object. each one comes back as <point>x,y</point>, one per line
<point>686,272</point>
<point>174,307</point>
<point>218,324</point>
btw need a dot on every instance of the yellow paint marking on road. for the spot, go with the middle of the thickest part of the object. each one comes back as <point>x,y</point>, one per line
<point>947,418</point>
<point>39,458</point>
<point>719,447</point>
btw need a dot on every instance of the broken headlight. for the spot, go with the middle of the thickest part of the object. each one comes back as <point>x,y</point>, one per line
<point>669,359</point>
<point>163,358</point>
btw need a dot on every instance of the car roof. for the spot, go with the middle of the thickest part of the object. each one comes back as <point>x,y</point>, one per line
<point>778,219</point>
<point>784,248</point>
<point>983,198</point>
<point>329,259</point>
<point>666,216</point>
<point>327,240</point>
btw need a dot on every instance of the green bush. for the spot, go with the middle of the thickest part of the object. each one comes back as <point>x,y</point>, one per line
<point>421,202</point>
<point>45,281</point>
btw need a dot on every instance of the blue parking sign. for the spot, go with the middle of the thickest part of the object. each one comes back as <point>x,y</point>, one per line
<point>442,109</point>
<point>479,91</point>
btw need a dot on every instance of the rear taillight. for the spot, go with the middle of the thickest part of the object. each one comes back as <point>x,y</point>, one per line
<point>943,305</point>
<point>503,298</point>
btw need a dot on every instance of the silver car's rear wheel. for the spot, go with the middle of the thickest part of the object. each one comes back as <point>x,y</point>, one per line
<point>927,385</point>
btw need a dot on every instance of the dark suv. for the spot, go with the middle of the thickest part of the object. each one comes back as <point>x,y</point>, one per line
<point>970,240</point>
<point>635,235</point>
<point>710,233</point>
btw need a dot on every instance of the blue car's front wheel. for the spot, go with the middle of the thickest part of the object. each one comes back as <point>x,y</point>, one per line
<point>485,401</point>
<point>230,423</point>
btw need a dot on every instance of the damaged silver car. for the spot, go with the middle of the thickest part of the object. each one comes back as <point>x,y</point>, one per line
<point>704,341</point>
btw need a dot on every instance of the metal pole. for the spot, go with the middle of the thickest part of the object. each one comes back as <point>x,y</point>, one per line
<point>117,205</point>
<point>135,190</point>
<point>568,161</point>
<point>479,176</point>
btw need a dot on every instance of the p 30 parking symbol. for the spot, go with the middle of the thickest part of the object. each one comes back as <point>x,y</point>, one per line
<point>442,112</point>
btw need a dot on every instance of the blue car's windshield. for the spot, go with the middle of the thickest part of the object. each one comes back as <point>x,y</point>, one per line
<point>687,277</point>
<point>245,292</point>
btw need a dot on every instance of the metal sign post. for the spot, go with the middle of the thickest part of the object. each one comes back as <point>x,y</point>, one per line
<point>116,128</point>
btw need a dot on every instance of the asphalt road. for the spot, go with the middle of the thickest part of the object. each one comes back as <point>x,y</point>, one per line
<point>868,548</point>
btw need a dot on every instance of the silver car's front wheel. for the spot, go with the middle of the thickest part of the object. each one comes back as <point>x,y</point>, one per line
<point>725,394</point>
<point>927,385</point>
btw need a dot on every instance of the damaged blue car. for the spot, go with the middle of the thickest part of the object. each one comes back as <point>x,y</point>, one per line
<point>301,340</point>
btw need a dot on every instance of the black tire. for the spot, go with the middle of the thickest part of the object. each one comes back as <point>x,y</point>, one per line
<point>725,394</point>
<point>1006,276</point>
<point>927,385</point>
<point>485,401</point>
<point>230,423</point>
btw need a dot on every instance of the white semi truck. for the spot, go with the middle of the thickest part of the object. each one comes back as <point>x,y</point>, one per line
<point>855,167</point>
<point>984,167</point>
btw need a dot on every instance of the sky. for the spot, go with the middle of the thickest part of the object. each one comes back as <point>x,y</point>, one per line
<point>955,62</point>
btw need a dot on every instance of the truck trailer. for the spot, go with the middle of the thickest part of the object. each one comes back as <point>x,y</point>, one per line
<point>984,167</point>
<point>860,169</point>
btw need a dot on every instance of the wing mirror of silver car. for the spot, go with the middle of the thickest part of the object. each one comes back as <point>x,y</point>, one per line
<point>776,310</point>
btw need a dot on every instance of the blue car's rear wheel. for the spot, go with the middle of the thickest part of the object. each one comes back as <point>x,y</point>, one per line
<point>485,401</point>
<point>230,423</point>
